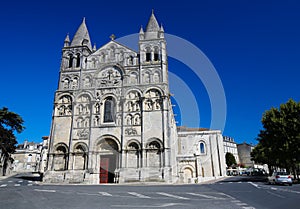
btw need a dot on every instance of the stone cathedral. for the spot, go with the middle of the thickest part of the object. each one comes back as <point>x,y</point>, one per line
<point>113,120</point>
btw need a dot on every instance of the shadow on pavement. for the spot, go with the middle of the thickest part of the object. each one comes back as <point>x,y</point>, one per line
<point>246,179</point>
<point>30,176</point>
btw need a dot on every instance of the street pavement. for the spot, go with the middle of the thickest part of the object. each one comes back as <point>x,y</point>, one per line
<point>230,193</point>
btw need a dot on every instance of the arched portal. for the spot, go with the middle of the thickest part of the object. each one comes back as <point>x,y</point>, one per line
<point>109,158</point>
<point>187,175</point>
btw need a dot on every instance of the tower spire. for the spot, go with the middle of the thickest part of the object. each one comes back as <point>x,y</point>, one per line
<point>153,30</point>
<point>82,36</point>
<point>152,25</point>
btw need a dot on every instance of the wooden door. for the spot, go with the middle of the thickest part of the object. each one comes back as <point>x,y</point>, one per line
<point>104,167</point>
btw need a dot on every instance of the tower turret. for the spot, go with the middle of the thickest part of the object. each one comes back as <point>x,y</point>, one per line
<point>67,41</point>
<point>152,47</point>
<point>75,53</point>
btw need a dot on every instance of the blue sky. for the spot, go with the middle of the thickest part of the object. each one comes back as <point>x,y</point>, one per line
<point>253,45</point>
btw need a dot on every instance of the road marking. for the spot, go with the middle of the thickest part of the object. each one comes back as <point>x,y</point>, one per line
<point>29,181</point>
<point>17,185</point>
<point>29,184</point>
<point>174,196</point>
<point>20,181</point>
<point>3,185</point>
<point>241,204</point>
<point>85,193</point>
<point>148,206</point>
<point>255,185</point>
<point>248,207</point>
<point>44,190</point>
<point>206,196</point>
<point>105,194</point>
<point>277,195</point>
<point>10,181</point>
<point>138,195</point>
<point>226,195</point>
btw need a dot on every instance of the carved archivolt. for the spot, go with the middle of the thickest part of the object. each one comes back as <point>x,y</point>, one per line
<point>153,100</point>
<point>132,103</point>
<point>70,82</point>
<point>64,106</point>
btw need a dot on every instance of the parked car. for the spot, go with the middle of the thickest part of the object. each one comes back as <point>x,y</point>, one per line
<point>280,178</point>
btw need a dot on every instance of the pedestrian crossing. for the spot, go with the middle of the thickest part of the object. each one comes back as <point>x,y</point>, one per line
<point>17,183</point>
<point>169,195</point>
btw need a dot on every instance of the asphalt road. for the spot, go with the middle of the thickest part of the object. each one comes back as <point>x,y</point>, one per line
<point>232,193</point>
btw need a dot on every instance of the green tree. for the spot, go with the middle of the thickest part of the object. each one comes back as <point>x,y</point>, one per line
<point>230,159</point>
<point>279,140</point>
<point>10,122</point>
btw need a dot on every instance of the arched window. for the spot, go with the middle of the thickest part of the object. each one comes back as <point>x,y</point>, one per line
<point>71,60</point>
<point>133,78</point>
<point>78,60</point>
<point>154,154</point>
<point>202,148</point>
<point>80,157</point>
<point>109,110</point>
<point>148,54</point>
<point>133,155</point>
<point>60,161</point>
<point>156,54</point>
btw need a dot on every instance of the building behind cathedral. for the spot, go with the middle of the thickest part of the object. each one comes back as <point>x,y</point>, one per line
<point>113,120</point>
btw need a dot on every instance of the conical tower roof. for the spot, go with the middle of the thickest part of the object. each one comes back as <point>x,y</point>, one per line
<point>152,25</point>
<point>82,36</point>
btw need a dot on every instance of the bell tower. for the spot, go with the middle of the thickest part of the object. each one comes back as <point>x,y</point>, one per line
<point>152,48</point>
<point>75,52</point>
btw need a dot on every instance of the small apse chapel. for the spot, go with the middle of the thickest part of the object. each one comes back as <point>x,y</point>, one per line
<point>113,120</point>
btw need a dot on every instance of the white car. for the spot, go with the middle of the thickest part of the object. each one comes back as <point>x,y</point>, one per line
<point>280,178</point>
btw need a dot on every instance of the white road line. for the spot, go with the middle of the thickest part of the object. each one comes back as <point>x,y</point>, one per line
<point>203,195</point>
<point>164,205</point>
<point>248,207</point>
<point>17,185</point>
<point>241,204</point>
<point>29,184</point>
<point>138,195</point>
<point>29,181</point>
<point>105,194</point>
<point>174,196</point>
<point>85,193</point>
<point>226,195</point>
<point>3,185</point>
<point>20,181</point>
<point>277,195</point>
<point>44,190</point>
<point>255,185</point>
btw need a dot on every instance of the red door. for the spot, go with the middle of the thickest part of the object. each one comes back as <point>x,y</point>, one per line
<point>104,166</point>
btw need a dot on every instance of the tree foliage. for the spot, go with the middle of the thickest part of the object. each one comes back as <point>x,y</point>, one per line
<point>10,122</point>
<point>230,159</point>
<point>279,140</point>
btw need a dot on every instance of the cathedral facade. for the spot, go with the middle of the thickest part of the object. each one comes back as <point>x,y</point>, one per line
<point>112,118</point>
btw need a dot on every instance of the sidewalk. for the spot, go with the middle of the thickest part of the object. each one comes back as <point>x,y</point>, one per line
<point>7,176</point>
